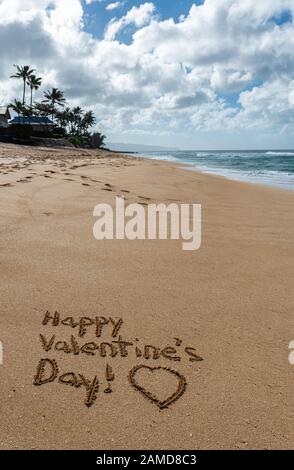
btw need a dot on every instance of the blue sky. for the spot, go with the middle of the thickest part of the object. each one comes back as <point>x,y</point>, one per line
<point>96,15</point>
<point>189,74</point>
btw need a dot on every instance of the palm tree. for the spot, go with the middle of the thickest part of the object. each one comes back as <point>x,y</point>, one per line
<point>97,140</point>
<point>77,119</point>
<point>42,109</point>
<point>23,73</point>
<point>88,120</point>
<point>64,118</point>
<point>69,116</point>
<point>17,107</point>
<point>54,97</point>
<point>34,83</point>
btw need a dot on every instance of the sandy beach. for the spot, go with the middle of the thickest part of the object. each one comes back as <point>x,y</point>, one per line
<point>227,310</point>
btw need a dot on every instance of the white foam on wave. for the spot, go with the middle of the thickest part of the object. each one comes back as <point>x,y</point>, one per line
<point>282,154</point>
<point>276,179</point>
<point>165,158</point>
<point>273,178</point>
<point>203,154</point>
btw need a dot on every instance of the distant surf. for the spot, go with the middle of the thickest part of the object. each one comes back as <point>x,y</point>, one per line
<point>270,167</point>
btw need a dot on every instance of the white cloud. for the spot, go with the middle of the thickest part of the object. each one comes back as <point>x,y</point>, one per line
<point>88,2</point>
<point>138,16</point>
<point>113,6</point>
<point>172,76</point>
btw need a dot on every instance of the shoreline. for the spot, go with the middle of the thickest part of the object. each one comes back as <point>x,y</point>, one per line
<point>136,155</point>
<point>218,173</point>
<point>216,322</point>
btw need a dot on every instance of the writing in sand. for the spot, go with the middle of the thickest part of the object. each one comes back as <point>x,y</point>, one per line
<point>115,348</point>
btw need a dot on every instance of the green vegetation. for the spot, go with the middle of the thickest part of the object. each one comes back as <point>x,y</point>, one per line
<point>74,124</point>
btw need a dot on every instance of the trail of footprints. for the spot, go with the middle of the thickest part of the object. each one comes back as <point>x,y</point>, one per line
<point>63,172</point>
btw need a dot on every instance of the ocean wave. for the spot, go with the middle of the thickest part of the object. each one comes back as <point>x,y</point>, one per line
<point>254,167</point>
<point>165,158</point>
<point>281,154</point>
<point>268,177</point>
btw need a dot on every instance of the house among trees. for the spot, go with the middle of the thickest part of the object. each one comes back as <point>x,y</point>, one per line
<point>5,116</point>
<point>37,123</point>
<point>48,119</point>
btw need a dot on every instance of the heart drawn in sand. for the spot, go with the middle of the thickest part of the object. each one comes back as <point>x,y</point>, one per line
<point>160,375</point>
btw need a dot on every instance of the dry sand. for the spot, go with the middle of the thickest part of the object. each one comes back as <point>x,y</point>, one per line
<point>232,301</point>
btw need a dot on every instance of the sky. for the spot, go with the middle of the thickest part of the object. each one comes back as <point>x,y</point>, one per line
<point>206,74</point>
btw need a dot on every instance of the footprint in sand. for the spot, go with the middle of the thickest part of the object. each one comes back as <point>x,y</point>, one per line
<point>144,198</point>
<point>6,185</point>
<point>85,184</point>
<point>125,191</point>
<point>94,181</point>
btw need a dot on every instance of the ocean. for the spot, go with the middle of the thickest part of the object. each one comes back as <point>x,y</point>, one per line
<point>273,168</point>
